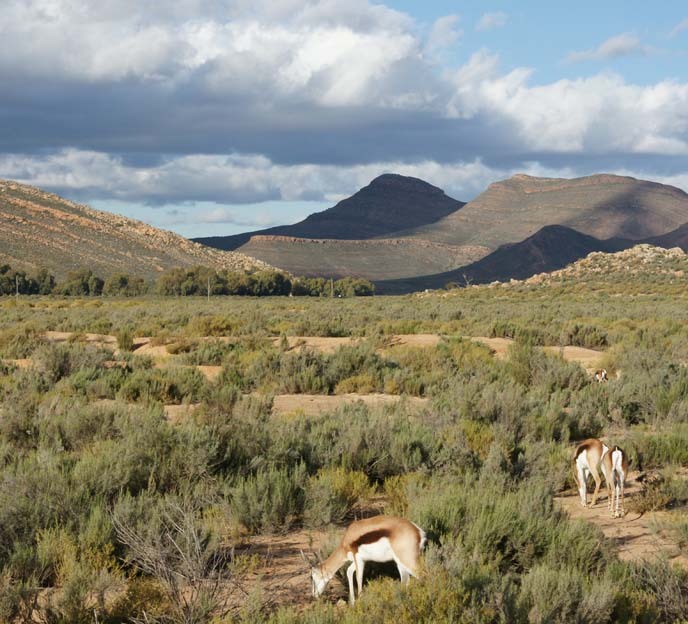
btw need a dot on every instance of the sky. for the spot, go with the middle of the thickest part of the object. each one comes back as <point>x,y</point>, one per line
<point>212,117</point>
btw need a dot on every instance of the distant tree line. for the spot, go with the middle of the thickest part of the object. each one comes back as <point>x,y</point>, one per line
<point>181,282</point>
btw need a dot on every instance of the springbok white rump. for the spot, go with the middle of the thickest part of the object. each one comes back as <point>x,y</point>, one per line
<point>591,456</point>
<point>381,538</point>
<point>619,469</point>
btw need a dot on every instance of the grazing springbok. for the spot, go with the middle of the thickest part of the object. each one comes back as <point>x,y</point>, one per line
<point>590,457</point>
<point>619,469</point>
<point>601,375</point>
<point>382,538</point>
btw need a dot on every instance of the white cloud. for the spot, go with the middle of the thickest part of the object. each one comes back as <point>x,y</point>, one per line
<point>614,47</point>
<point>444,33</point>
<point>598,115</point>
<point>489,21</point>
<point>230,180</point>
<point>679,28</point>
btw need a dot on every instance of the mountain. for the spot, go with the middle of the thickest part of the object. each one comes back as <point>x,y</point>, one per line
<point>675,238</point>
<point>604,206</point>
<point>550,248</point>
<point>389,203</point>
<point>455,235</point>
<point>39,229</point>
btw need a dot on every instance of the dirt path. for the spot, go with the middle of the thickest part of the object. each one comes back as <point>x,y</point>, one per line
<point>636,536</point>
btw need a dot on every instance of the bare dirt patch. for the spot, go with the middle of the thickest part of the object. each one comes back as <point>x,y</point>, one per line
<point>314,404</point>
<point>498,346</point>
<point>317,343</point>
<point>281,573</point>
<point>419,341</point>
<point>178,413</point>
<point>637,536</point>
<point>587,358</point>
<point>98,339</point>
<point>210,372</point>
<point>21,363</point>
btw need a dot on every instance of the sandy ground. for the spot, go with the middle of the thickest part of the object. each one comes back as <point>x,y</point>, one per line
<point>498,346</point>
<point>587,358</point>
<point>103,339</point>
<point>314,404</point>
<point>23,363</point>
<point>317,343</point>
<point>281,573</point>
<point>636,536</point>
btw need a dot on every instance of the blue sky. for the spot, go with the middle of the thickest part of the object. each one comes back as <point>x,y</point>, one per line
<point>220,116</point>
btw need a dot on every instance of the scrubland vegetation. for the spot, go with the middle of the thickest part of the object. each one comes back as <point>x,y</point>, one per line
<point>109,512</point>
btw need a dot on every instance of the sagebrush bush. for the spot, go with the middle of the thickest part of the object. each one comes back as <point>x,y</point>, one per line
<point>333,493</point>
<point>270,500</point>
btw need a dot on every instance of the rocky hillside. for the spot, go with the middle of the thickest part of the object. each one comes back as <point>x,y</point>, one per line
<point>386,258</point>
<point>604,206</point>
<point>644,261</point>
<point>549,249</point>
<point>389,203</point>
<point>40,229</point>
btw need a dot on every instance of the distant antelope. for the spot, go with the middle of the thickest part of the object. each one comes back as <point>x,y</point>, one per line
<point>590,456</point>
<point>601,375</point>
<point>382,538</point>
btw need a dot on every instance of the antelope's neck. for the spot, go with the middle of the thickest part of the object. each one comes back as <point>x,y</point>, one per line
<point>335,561</point>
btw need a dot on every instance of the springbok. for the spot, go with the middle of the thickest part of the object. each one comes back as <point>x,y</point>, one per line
<point>601,375</point>
<point>590,456</point>
<point>619,469</point>
<point>381,538</point>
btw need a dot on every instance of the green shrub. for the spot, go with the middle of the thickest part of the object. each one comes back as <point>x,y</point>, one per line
<point>171,385</point>
<point>270,500</point>
<point>332,495</point>
<point>660,491</point>
<point>125,338</point>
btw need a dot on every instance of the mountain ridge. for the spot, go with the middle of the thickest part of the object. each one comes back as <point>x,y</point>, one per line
<point>43,230</point>
<point>374,211</point>
<point>550,249</point>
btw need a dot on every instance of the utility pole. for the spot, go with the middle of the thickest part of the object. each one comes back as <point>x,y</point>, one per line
<point>331,288</point>
<point>16,284</point>
<point>208,288</point>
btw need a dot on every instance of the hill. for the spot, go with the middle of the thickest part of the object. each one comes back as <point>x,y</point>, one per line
<point>40,229</point>
<point>551,248</point>
<point>372,259</point>
<point>642,264</point>
<point>604,206</point>
<point>389,203</point>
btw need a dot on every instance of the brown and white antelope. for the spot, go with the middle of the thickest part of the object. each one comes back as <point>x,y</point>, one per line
<point>381,539</point>
<point>590,457</point>
<point>601,375</point>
